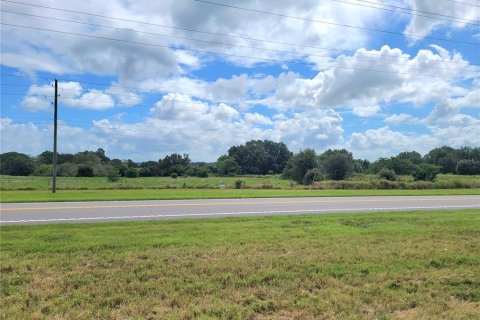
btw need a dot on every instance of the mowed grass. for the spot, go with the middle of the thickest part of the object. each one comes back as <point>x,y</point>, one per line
<point>177,194</point>
<point>416,265</point>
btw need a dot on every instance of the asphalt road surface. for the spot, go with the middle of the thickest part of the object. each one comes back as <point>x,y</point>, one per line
<point>62,212</point>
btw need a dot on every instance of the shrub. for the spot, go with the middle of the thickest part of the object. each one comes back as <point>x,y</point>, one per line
<point>426,172</point>
<point>313,175</point>
<point>112,174</point>
<point>131,173</point>
<point>239,184</point>
<point>174,175</point>
<point>387,174</point>
<point>85,171</point>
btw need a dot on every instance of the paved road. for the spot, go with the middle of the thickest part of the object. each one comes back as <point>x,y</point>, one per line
<point>59,212</point>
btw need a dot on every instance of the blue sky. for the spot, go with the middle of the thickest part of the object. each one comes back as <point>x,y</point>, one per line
<point>144,79</point>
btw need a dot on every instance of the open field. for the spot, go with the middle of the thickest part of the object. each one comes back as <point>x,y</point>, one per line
<point>417,265</point>
<point>177,194</point>
<point>250,182</point>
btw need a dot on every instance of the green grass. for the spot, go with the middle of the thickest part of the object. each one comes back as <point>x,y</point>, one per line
<point>44,183</point>
<point>166,194</point>
<point>254,182</point>
<point>416,265</point>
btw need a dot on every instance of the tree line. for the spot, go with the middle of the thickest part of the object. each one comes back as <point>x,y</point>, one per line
<point>255,157</point>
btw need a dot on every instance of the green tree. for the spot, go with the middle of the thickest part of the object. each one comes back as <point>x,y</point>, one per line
<point>412,156</point>
<point>337,164</point>
<point>16,164</point>
<point>299,164</point>
<point>173,163</point>
<point>85,171</point>
<point>260,157</point>
<point>468,167</point>
<point>131,173</point>
<point>227,166</point>
<point>445,157</point>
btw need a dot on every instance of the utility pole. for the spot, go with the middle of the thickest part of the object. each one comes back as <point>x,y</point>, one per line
<point>54,183</point>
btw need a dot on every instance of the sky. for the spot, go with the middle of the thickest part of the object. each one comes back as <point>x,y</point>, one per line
<point>144,79</point>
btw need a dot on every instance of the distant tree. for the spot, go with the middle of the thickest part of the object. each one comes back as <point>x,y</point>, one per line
<point>16,164</point>
<point>131,164</point>
<point>426,172</point>
<point>338,165</point>
<point>101,154</point>
<point>131,173</point>
<point>44,170</point>
<point>173,163</point>
<point>445,157</point>
<point>150,167</point>
<point>85,171</point>
<point>412,156</point>
<point>46,157</point>
<point>468,167</point>
<point>361,166</point>
<point>119,165</point>
<point>200,171</point>
<point>145,172</point>
<point>227,166</point>
<point>401,166</point>
<point>260,157</point>
<point>299,164</point>
<point>67,169</point>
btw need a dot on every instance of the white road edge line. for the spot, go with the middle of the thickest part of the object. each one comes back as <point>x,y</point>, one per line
<point>232,214</point>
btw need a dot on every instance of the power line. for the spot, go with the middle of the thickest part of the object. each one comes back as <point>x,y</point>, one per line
<point>105,101</point>
<point>410,11</point>
<point>209,33</point>
<point>160,91</point>
<point>333,23</point>
<point>224,54</point>
<point>465,3</point>
<point>122,127</point>
<point>223,43</point>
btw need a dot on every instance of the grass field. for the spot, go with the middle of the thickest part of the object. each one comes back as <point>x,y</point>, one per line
<point>176,194</point>
<point>249,182</point>
<point>418,265</point>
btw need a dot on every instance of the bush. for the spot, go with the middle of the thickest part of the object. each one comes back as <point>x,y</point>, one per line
<point>174,175</point>
<point>131,173</point>
<point>239,184</point>
<point>313,175</point>
<point>387,174</point>
<point>112,174</point>
<point>85,171</point>
<point>426,172</point>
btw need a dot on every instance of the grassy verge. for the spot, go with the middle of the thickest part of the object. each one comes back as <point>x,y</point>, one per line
<point>164,194</point>
<point>417,265</point>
